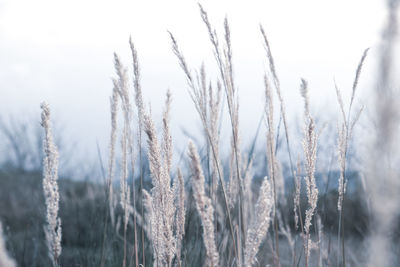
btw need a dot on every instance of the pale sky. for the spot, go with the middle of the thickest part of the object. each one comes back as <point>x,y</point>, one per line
<point>62,52</point>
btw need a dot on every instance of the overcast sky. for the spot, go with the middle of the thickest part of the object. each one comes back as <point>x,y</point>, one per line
<point>62,52</point>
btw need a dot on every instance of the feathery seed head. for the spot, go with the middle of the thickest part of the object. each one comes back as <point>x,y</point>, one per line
<point>50,188</point>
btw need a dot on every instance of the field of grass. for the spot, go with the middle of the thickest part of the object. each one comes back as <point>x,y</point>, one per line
<point>252,208</point>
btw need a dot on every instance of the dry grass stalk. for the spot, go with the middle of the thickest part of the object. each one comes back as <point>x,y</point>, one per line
<point>209,115</point>
<point>50,189</point>
<point>167,159</point>
<point>298,218</point>
<point>272,162</point>
<point>342,148</point>
<point>214,104</point>
<point>278,91</point>
<point>113,139</point>
<point>207,104</point>
<point>140,111</point>
<point>179,191</point>
<point>269,114</point>
<point>283,116</point>
<point>232,184</point>
<point>258,228</point>
<point>111,165</point>
<point>136,83</point>
<point>247,191</point>
<point>225,66</point>
<point>345,132</point>
<point>310,152</point>
<point>127,148</point>
<point>197,95</point>
<point>208,101</point>
<point>277,86</point>
<point>204,207</point>
<point>167,140</point>
<point>5,259</point>
<point>154,228</point>
<point>124,189</point>
<point>296,198</point>
<point>163,208</point>
<point>357,77</point>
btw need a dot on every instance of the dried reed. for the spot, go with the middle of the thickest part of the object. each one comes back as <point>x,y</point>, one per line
<point>204,207</point>
<point>50,189</point>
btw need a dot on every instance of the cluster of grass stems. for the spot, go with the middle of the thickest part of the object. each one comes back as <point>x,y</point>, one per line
<point>240,227</point>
